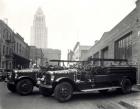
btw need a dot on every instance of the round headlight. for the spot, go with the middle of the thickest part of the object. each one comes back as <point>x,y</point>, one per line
<point>9,74</point>
<point>52,77</point>
<point>43,78</point>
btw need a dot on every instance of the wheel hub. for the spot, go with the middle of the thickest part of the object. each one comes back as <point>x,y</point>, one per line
<point>64,92</point>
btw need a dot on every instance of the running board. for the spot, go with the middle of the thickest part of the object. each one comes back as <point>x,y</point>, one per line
<point>96,89</point>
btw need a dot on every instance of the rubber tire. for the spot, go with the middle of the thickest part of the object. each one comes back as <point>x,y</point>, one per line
<point>11,87</point>
<point>45,92</point>
<point>126,86</point>
<point>29,87</point>
<point>58,95</point>
<point>103,91</point>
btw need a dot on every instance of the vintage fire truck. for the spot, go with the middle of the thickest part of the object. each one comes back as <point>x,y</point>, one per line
<point>87,78</point>
<point>23,81</point>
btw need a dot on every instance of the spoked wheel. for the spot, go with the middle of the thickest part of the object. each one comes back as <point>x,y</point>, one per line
<point>126,86</point>
<point>63,91</point>
<point>11,87</point>
<point>24,87</point>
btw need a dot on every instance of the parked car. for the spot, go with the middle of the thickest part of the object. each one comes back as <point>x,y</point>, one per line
<point>64,83</point>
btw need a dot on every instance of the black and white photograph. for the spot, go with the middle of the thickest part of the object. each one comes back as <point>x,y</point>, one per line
<point>69,54</point>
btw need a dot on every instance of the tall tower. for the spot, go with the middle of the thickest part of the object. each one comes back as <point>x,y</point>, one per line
<point>39,30</point>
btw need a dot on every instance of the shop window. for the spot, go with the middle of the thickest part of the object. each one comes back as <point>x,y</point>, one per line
<point>123,47</point>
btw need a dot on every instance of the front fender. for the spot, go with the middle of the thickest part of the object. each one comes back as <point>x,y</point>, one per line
<point>25,77</point>
<point>65,79</point>
<point>62,78</point>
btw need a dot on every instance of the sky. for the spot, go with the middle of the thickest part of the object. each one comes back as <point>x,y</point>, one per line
<point>68,21</point>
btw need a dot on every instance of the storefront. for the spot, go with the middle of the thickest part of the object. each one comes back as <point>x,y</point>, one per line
<point>20,62</point>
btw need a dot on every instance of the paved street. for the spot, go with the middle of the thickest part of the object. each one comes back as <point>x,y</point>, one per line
<point>9,100</point>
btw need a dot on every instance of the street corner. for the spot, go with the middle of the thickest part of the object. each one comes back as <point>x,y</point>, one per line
<point>109,105</point>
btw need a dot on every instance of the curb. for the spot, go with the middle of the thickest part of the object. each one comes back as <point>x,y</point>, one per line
<point>127,105</point>
<point>109,105</point>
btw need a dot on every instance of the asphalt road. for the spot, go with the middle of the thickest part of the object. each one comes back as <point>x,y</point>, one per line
<point>95,100</point>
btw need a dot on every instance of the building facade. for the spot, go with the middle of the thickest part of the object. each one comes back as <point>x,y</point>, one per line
<point>51,54</point>
<point>36,56</point>
<point>121,42</point>
<point>39,36</point>
<point>79,51</point>
<point>14,52</point>
<point>20,53</point>
<point>6,46</point>
<point>69,55</point>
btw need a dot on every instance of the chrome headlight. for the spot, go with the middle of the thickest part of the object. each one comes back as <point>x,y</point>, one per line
<point>52,77</point>
<point>43,78</point>
<point>16,75</point>
<point>10,74</point>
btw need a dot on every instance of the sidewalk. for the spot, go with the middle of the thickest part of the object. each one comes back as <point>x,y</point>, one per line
<point>136,87</point>
<point>133,103</point>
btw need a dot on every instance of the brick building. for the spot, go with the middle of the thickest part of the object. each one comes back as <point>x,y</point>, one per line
<point>14,52</point>
<point>6,46</point>
<point>121,42</point>
<point>20,52</point>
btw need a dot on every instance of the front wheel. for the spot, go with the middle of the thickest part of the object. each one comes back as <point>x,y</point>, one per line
<point>24,87</point>
<point>11,87</point>
<point>63,91</point>
<point>126,86</point>
<point>45,92</point>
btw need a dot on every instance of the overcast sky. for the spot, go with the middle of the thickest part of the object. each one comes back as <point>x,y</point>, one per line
<point>68,21</point>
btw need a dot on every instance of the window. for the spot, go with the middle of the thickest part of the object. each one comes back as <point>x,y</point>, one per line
<point>20,49</point>
<point>17,48</point>
<point>96,55</point>
<point>104,55</point>
<point>7,50</point>
<point>4,50</point>
<point>14,47</point>
<point>123,47</point>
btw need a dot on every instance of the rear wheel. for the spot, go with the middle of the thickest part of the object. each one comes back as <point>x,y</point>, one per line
<point>24,87</point>
<point>126,86</point>
<point>63,91</point>
<point>11,87</point>
<point>45,91</point>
